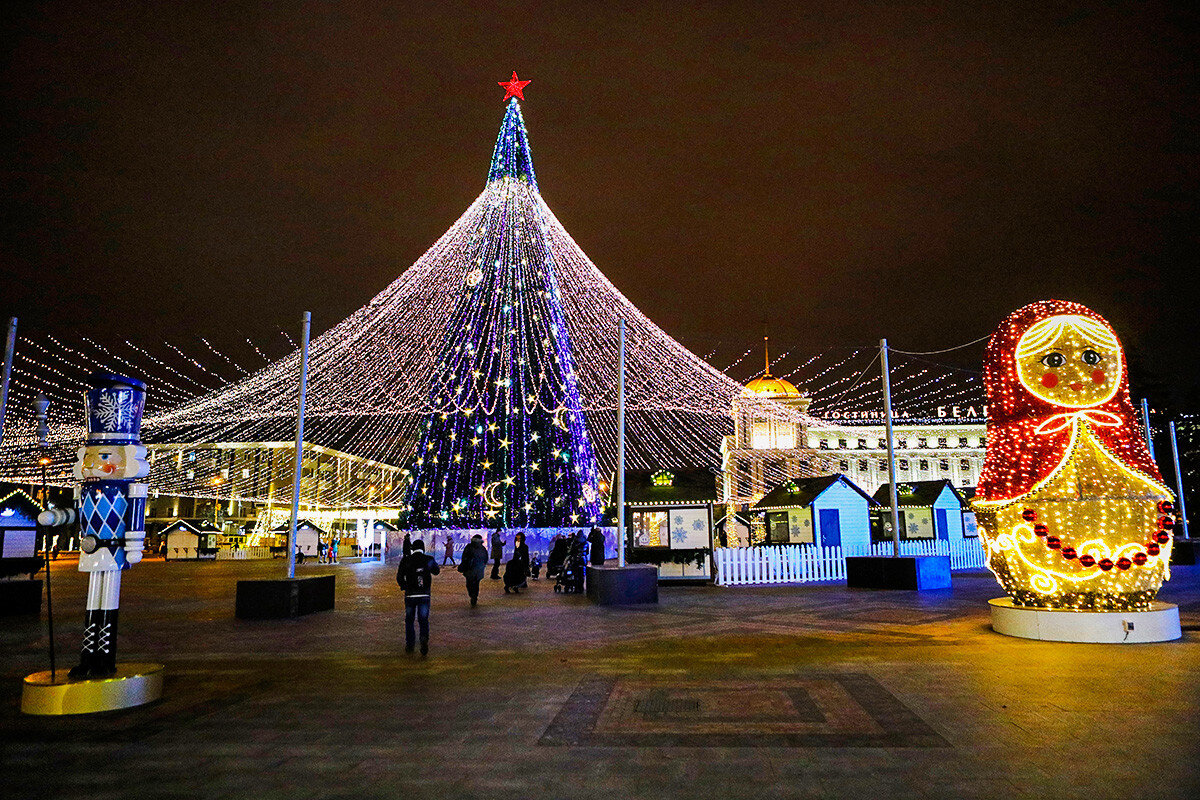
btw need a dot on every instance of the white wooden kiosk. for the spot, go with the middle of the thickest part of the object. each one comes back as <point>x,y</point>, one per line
<point>307,537</point>
<point>190,540</point>
<point>828,511</point>
<point>928,510</point>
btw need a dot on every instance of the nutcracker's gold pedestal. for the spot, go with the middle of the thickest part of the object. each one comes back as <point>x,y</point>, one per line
<point>131,685</point>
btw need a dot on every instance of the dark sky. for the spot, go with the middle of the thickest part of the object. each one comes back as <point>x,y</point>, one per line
<point>838,171</point>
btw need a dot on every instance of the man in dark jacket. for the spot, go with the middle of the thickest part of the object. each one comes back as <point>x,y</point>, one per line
<point>415,576</point>
<point>474,564</point>
<point>596,542</point>
<point>497,553</point>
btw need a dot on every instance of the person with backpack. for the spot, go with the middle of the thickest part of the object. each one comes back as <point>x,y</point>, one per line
<point>473,566</point>
<point>415,577</point>
<point>449,550</point>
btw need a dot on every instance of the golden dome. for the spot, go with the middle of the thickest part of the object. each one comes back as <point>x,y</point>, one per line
<point>768,385</point>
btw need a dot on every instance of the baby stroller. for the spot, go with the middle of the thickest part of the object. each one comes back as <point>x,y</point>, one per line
<point>535,566</point>
<point>558,555</point>
<point>571,575</point>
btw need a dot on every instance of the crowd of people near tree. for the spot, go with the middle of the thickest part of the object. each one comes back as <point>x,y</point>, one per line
<point>416,570</point>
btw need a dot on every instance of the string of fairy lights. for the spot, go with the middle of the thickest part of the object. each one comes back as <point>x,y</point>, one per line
<point>376,377</point>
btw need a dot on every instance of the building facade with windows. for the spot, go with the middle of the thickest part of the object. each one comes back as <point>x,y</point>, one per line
<point>763,453</point>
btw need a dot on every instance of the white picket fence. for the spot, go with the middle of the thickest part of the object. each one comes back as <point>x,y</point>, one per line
<point>804,563</point>
<point>243,553</point>
<point>964,553</point>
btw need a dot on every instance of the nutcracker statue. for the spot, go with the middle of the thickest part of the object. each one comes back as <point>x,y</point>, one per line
<point>111,504</point>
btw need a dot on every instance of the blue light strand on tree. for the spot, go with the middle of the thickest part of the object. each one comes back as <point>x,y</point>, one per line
<point>507,442</point>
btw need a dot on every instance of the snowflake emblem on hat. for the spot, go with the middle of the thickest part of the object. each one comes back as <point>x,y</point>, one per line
<point>111,412</point>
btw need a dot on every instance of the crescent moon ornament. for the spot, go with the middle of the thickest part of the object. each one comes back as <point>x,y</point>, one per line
<point>489,495</point>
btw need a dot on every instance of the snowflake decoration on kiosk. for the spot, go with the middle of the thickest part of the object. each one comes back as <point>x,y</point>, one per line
<point>1070,505</point>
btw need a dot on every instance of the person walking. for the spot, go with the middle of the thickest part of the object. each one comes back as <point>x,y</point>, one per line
<point>596,541</point>
<point>333,548</point>
<point>473,566</point>
<point>407,546</point>
<point>449,550</point>
<point>516,571</point>
<point>497,553</point>
<point>521,554</point>
<point>415,577</point>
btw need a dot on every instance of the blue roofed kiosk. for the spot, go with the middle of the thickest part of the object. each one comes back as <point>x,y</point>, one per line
<point>825,511</point>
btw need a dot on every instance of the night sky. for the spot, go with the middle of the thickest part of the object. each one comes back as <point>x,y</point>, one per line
<point>835,172</point>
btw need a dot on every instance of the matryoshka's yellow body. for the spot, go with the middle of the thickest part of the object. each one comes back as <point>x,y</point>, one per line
<point>1094,506</point>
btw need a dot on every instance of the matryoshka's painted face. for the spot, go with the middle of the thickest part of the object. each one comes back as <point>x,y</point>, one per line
<point>1070,360</point>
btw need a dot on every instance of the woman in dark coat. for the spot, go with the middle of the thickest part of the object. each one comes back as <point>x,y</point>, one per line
<point>473,566</point>
<point>596,541</point>
<point>516,571</point>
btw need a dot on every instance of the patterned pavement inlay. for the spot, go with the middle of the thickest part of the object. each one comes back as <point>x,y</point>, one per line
<point>802,710</point>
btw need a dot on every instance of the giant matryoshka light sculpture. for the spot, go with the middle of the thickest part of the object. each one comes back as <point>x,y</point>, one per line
<point>1071,507</point>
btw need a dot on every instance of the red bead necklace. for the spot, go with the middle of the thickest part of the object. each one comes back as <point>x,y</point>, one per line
<point>1160,537</point>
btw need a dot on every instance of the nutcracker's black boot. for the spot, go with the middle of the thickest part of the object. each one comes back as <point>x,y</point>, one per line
<point>87,653</point>
<point>105,663</point>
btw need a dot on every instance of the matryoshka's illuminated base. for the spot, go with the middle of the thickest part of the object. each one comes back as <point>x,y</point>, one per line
<point>1159,624</point>
<point>131,685</point>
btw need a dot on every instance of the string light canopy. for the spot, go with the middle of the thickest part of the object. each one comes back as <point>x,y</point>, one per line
<point>503,317</point>
<point>1070,504</point>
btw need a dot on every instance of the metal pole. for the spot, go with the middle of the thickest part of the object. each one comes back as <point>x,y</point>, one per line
<point>1179,481</point>
<point>305,323</point>
<point>8,357</point>
<point>621,448</point>
<point>40,408</point>
<point>1146,422</point>
<point>46,544</point>
<point>891,447</point>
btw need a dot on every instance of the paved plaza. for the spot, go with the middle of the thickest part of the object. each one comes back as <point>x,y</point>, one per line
<point>798,691</point>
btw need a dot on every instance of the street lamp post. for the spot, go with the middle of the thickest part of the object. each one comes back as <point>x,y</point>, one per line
<point>40,406</point>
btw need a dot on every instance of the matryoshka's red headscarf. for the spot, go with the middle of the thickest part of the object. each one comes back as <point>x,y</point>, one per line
<point>1018,456</point>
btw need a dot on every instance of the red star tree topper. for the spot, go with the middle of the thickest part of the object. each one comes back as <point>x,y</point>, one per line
<point>514,87</point>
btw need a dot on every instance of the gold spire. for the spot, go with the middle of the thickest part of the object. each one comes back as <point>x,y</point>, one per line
<point>766,356</point>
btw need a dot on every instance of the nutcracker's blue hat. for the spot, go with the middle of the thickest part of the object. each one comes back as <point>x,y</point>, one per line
<point>114,409</point>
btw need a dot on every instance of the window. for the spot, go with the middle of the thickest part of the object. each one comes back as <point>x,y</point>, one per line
<point>862,444</point>
<point>649,528</point>
<point>883,444</point>
<point>942,442</point>
<point>924,465</point>
<point>982,442</point>
<point>902,444</point>
<point>841,444</point>
<point>760,435</point>
<point>963,442</point>
<point>844,466</point>
<point>903,464</point>
<point>883,465</point>
<point>964,463</point>
<point>944,465</point>
<point>862,465</point>
<point>922,441</point>
<point>824,444</point>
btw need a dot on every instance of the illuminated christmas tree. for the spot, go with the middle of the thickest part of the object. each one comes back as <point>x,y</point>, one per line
<point>507,442</point>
